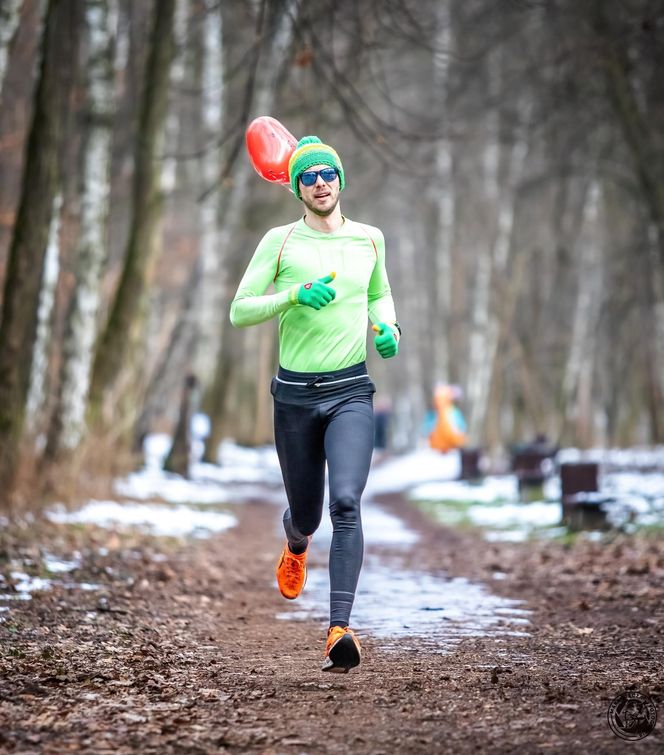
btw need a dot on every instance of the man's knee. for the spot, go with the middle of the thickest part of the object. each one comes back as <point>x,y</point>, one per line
<point>308,529</point>
<point>305,527</point>
<point>346,508</point>
<point>300,527</point>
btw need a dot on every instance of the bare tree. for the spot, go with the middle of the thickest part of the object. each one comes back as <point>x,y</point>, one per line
<point>30,237</point>
<point>580,361</point>
<point>68,418</point>
<point>442,189</point>
<point>275,28</point>
<point>40,353</point>
<point>501,198</point>
<point>124,325</point>
<point>656,352</point>
<point>193,224</point>
<point>213,117</point>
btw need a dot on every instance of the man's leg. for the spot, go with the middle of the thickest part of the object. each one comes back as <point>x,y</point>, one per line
<point>298,434</point>
<point>348,447</point>
<point>299,440</point>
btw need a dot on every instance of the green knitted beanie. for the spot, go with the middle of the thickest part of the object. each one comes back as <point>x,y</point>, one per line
<point>311,151</point>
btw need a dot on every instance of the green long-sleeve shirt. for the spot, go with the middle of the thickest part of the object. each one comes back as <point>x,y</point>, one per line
<point>335,336</point>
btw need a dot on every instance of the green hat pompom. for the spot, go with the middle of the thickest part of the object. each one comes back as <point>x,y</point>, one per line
<point>311,151</point>
<point>308,140</point>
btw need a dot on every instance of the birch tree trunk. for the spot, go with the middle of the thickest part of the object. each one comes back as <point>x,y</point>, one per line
<point>483,330</point>
<point>168,375</point>
<point>191,135</point>
<point>10,16</point>
<point>212,114</point>
<point>39,369</point>
<point>511,284</point>
<point>179,456</point>
<point>30,237</point>
<point>486,323</point>
<point>578,371</point>
<point>443,195</point>
<point>166,368</point>
<point>656,350</point>
<point>279,34</point>
<point>124,326</point>
<point>637,121</point>
<point>493,264</point>
<point>415,387</point>
<point>481,325</point>
<point>68,418</point>
<point>641,136</point>
<point>176,137</point>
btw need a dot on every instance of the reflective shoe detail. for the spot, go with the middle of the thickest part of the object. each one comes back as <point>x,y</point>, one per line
<point>342,652</point>
<point>291,573</point>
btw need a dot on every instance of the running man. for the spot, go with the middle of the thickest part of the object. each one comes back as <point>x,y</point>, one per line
<point>329,276</point>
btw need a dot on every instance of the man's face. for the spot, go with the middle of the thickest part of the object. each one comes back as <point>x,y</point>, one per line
<point>322,197</point>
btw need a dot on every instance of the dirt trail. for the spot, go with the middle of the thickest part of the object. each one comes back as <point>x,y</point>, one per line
<point>181,652</point>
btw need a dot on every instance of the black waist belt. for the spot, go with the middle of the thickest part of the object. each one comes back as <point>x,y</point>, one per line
<point>319,379</point>
<point>294,387</point>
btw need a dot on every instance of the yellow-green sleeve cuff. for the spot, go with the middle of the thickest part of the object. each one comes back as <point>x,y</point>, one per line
<point>293,291</point>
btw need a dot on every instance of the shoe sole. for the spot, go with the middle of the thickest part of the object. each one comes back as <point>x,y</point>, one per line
<point>343,656</point>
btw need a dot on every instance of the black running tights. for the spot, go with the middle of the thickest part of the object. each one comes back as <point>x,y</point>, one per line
<point>341,432</point>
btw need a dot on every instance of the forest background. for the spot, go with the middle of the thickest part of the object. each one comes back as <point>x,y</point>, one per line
<point>510,150</point>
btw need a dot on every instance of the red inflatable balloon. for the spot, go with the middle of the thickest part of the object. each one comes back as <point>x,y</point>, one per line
<point>270,146</point>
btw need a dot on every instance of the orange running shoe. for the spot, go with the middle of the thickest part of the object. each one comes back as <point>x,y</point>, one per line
<point>292,572</point>
<point>342,652</point>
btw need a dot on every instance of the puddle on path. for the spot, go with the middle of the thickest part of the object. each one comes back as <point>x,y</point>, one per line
<point>392,603</point>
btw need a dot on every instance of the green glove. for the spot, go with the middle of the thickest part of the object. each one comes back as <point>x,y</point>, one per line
<point>317,294</point>
<point>386,341</point>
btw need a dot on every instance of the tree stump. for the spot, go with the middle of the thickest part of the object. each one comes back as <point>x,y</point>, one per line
<point>582,504</point>
<point>180,454</point>
<point>470,464</point>
<point>531,462</point>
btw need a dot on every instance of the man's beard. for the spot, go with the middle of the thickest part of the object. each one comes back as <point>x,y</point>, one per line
<point>321,213</point>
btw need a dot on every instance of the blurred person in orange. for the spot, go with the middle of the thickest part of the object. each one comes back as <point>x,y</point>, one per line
<point>449,431</point>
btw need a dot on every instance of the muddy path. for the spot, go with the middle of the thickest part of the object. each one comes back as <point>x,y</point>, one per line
<point>179,649</point>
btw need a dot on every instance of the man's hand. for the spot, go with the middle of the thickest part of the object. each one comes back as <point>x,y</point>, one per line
<point>317,294</point>
<point>386,341</point>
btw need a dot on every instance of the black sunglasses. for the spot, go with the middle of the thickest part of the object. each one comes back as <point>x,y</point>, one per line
<point>309,177</point>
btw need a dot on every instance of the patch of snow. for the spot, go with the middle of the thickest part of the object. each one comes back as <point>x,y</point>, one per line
<point>525,515</point>
<point>25,585</point>
<point>209,483</point>
<point>619,458</point>
<point>408,470</point>
<point>152,483</point>
<point>491,489</point>
<point>56,565</point>
<point>158,519</point>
